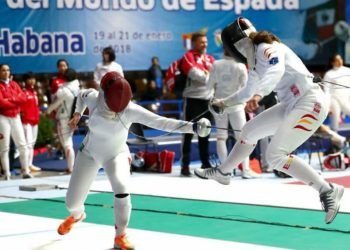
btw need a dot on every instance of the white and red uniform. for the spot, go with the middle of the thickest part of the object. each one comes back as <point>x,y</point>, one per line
<point>105,146</point>
<point>196,99</point>
<point>102,69</point>
<point>11,98</point>
<point>63,105</point>
<point>339,97</point>
<point>226,77</point>
<point>302,109</point>
<point>30,115</point>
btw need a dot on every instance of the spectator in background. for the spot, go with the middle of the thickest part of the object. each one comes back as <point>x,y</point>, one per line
<point>150,93</point>
<point>30,114</point>
<point>196,65</point>
<point>155,76</point>
<point>108,64</point>
<point>63,105</point>
<point>227,76</point>
<point>11,98</point>
<point>58,80</point>
<point>339,97</point>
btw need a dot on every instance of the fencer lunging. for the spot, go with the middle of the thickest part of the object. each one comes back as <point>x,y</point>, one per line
<point>111,115</point>
<point>301,110</point>
<point>227,76</point>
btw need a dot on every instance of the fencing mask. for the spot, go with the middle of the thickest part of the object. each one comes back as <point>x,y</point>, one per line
<point>117,91</point>
<point>235,38</point>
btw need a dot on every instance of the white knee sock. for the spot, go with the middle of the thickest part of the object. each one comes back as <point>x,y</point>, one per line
<point>238,154</point>
<point>122,211</point>
<point>221,149</point>
<point>245,163</point>
<point>299,169</point>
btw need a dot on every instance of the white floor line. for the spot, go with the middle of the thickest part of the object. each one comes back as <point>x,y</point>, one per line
<point>266,191</point>
<point>23,232</point>
<point>239,191</point>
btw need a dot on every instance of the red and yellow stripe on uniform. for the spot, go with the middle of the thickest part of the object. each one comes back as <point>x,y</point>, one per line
<point>289,161</point>
<point>305,121</point>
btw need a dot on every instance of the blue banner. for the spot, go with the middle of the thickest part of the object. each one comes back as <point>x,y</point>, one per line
<point>35,33</point>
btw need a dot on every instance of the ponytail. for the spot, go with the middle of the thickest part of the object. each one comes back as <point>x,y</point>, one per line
<point>263,37</point>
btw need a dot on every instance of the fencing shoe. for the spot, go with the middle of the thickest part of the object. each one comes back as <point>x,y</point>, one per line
<point>250,174</point>
<point>213,174</point>
<point>34,168</point>
<point>122,242</point>
<point>68,223</point>
<point>331,201</point>
<point>185,171</point>
<point>27,176</point>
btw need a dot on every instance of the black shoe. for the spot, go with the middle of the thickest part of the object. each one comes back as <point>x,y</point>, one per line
<point>205,166</point>
<point>185,171</point>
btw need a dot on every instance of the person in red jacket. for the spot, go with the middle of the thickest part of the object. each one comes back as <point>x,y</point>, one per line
<point>59,79</point>
<point>11,98</point>
<point>196,64</point>
<point>30,114</point>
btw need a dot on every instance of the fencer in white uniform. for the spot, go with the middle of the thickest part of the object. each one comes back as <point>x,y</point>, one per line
<point>111,115</point>
<point>339,97</point>
<point>63,106</point>
<point>301,110</point>
<point>226,77</point>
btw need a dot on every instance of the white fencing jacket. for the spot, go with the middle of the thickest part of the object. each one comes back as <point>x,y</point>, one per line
<point>108,131</point>
<point>226,77</point>
<point>63,102</point>
<point>277,69</point>
<point>341,76</point>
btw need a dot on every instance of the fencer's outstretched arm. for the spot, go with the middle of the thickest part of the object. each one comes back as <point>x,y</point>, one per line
<point>271,60</point>
<point>135,113</point>
<point>58,101</point>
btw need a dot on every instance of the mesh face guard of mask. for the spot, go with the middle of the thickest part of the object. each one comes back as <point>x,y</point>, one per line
<point>235,38</point>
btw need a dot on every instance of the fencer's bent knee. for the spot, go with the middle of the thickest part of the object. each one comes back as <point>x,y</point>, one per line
<point>121,195</point>
<point>276,158</point>
<point>23,148</point>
